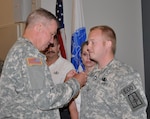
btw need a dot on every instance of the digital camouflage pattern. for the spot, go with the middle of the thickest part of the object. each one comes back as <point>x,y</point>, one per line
<point>26,88</point>
<point>115,92</point>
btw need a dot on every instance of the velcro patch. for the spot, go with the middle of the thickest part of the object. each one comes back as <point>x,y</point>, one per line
<point>34,61</point>
<point>133,97</point>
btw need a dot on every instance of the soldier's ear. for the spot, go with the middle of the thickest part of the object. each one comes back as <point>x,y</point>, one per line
<point>38,27</point>
<point>109,43</point>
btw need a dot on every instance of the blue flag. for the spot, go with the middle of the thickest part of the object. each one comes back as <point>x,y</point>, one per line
<point>78,35</point>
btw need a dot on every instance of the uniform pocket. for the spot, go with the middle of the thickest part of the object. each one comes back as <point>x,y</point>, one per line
<point>36,74</point>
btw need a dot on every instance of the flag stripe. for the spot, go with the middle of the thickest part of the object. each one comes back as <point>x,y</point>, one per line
<point>62,49</point>
<point>61,32</point>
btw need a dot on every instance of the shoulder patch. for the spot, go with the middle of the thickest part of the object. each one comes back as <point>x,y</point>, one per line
<point>133,97</point>
<point>34,61</point>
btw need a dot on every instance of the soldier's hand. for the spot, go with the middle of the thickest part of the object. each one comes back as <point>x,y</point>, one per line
<point>70,74</point>
<point>81,78</point>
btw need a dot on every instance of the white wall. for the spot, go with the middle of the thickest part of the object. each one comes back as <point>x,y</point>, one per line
<point>124,16</point>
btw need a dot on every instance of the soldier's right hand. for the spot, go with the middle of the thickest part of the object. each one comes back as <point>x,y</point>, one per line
<point>81,78</point>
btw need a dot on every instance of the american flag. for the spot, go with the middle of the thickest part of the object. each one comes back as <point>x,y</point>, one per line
<point>34,61</point>
<point>61,30</point>
<point>78,35</point>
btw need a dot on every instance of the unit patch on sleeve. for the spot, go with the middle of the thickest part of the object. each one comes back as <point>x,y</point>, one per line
<point>34,61</point>
<point>133,97</point>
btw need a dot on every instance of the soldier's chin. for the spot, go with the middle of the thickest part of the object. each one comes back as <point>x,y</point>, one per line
<point>46,48</point>
<point>43,50</point>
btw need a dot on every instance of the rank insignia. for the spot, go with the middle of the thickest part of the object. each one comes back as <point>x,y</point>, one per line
<point>34,61</point>
<point>133,97</point>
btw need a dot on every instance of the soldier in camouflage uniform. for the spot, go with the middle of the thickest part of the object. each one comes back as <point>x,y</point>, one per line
<point>113,89</point>
<point>26,88</point>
